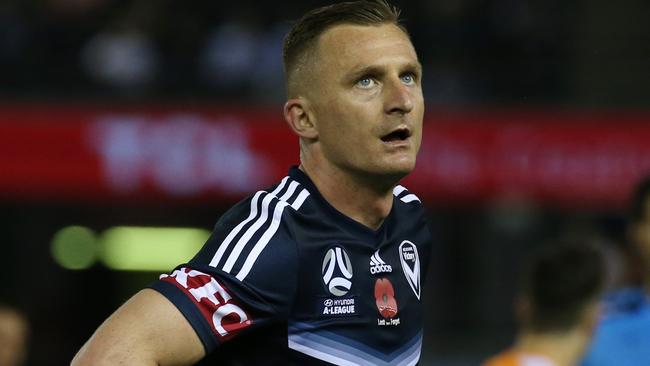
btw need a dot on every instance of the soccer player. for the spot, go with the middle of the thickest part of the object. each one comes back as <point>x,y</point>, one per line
<point>623,337</point>
<point>558,308</point>
<point>325,267</point>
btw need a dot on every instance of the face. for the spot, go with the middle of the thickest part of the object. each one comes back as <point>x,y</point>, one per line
<point>366,100</point>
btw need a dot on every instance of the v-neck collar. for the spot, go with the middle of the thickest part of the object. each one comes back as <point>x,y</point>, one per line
<point>347,222</point>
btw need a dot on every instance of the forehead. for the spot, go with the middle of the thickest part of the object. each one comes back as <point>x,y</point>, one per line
<point>350,46</point>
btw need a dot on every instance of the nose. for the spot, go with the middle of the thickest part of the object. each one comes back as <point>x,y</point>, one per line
<point>398,98</point>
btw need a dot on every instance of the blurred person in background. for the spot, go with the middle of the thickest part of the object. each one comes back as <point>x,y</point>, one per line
<point>623,337</point>
<point>123,55</point>
<point>558,308</point>
<point>327,266</point>
<point>14,334</point>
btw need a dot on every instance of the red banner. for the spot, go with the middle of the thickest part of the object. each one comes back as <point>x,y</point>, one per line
<point>86,152</point>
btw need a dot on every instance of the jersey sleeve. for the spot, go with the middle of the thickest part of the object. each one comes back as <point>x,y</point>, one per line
<point>244,277</point>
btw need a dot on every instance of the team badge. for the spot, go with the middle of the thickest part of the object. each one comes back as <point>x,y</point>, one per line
<point>408,255</point>
<point>337,271</point>
<point>386,302</point>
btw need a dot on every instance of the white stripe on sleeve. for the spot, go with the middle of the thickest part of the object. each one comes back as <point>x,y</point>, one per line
<point>409,198</point>
<point>301,198</point>
<point>224,245</point>
<point>264,240</point>
<point>398,190</point>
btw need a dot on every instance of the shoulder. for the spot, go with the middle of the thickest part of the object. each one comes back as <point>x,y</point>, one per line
<point>404,196</point>
<point>624,301</point>
<point>252,230</point>
<point>265,204</point>
<point>410,220</point>
<point>625,328</point>
<point>408,205</point>
<point>624,310</point>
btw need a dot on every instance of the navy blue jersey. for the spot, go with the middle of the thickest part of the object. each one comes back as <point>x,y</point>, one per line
<point>286,279</point>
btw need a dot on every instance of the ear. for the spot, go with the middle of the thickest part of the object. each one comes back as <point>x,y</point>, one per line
<point>296,113</point>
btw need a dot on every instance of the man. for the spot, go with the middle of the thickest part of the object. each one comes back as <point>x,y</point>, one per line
<point>327,266</point>
<point>558,308</point>
<point>623,336</point>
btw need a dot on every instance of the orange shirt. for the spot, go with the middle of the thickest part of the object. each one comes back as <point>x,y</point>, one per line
<point>514,358</point>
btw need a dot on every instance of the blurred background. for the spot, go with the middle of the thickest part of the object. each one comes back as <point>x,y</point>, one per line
<point>128,127</point>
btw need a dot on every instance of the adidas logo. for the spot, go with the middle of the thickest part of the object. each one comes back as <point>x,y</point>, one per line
<point>377,265</point>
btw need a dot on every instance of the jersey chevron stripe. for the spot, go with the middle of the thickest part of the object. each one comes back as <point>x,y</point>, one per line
<point>340,350</point>
<point>236,251</point>
<point>320,355</point>
<point>268,234</point>
<point>341,354</point>
<point>253,213</point>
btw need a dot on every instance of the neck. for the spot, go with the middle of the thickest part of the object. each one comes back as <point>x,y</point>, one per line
<point>364,201</point>
<point>563,349</point>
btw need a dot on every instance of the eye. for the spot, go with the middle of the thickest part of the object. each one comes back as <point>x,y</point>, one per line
<point>408,79</point>
<point>366,82</point>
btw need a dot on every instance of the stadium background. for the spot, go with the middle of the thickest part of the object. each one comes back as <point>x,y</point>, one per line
<point>159,113</point>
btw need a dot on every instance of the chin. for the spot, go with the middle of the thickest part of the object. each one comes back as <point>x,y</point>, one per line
<point>404,165</point>
<point>396,170</point>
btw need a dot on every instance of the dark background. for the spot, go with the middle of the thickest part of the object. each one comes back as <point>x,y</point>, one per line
<point>510,54</point>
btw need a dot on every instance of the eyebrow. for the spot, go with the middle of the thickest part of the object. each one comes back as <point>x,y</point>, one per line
<point>359,71</point>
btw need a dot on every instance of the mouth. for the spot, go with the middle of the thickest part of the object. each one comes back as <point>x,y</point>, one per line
<point>398,135</point>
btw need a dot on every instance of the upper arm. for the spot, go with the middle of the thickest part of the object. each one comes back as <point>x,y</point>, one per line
<point>146,330</point>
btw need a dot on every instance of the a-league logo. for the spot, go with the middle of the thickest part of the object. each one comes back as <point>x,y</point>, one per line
<point>337,271</point>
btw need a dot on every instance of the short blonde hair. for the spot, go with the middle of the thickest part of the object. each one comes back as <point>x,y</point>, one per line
<point>306,32</point>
